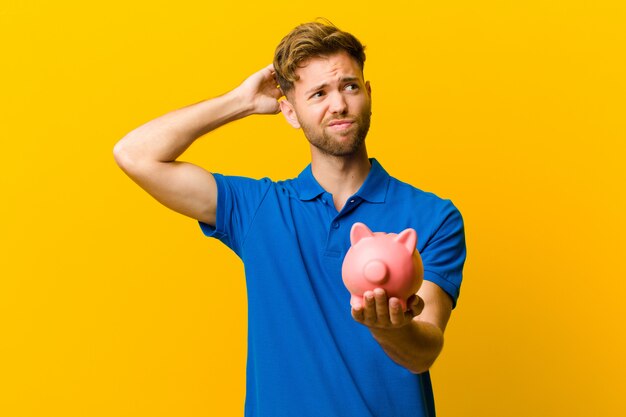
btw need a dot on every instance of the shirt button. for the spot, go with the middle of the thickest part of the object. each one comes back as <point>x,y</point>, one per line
<point>352,201</point>
<point>336,225</point>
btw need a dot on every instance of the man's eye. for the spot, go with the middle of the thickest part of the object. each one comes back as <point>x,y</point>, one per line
<point>318,94</point>
<point>352,87</point>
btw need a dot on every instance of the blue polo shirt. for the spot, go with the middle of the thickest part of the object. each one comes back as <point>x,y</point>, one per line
<point>306,355</point>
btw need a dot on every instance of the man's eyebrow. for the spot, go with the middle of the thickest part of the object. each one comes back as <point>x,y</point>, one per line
<point>317,87</point>
<point>324,85</point>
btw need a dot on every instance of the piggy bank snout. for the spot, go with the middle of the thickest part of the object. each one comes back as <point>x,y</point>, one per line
<point>376,272</point>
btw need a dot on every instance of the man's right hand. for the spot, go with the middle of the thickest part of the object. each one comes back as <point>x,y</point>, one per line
<point>261,91</point>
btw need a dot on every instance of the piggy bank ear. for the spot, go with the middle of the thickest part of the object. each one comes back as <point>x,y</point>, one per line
<point>408,238</point>
<point>358,232</point>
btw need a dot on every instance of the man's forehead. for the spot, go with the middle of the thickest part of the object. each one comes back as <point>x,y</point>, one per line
<point>328,68</point>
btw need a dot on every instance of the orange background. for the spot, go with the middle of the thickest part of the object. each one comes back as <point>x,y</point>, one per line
<point>111,305</point>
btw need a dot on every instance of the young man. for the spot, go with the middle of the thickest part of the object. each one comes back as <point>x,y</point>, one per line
<point>309,352</point>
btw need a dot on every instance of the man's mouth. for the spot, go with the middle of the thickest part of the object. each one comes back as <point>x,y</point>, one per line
<point>340,124</point>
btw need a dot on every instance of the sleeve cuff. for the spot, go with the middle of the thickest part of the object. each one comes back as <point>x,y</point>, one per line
<point>451,289</point>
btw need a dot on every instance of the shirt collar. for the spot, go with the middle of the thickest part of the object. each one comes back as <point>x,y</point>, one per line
<point>374,189</point>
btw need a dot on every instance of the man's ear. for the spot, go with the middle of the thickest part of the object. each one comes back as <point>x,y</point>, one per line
<point>368,87</point>
<point>289,112</point>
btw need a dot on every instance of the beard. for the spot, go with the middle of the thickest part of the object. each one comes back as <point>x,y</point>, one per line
<point>339,143</point>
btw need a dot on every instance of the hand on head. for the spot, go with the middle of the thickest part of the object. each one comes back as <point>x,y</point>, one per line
<point>262,92</point>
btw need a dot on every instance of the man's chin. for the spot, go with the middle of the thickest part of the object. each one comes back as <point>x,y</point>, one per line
<point>341,148</point>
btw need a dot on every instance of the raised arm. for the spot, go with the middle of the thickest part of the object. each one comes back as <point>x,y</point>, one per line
<point>148,154</point>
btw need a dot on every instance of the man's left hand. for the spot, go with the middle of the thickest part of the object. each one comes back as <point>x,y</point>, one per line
<point>381,312</point>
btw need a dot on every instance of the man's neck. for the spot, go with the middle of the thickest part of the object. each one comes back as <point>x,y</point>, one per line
<point>340,176</point>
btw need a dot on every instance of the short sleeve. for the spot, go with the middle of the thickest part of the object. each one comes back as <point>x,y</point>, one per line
<point>238,200</point>
<point>444,255</point>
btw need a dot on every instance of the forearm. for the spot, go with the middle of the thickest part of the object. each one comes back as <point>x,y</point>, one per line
<point>414,346</point>
<point>165,138</point>
<point>148,154</point>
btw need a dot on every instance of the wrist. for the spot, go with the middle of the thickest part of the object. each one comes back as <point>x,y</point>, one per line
<point>241,103</point>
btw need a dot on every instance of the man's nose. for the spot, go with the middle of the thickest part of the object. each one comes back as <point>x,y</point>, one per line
<point>338,103</point>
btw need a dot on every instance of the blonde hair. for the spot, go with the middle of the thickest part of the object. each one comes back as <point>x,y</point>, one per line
<point>309,40</point>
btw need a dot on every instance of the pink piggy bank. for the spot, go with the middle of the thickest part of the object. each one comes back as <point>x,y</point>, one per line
<point>382,260</point>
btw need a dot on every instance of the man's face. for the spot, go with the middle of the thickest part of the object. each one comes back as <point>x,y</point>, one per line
<point>331,103</point>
